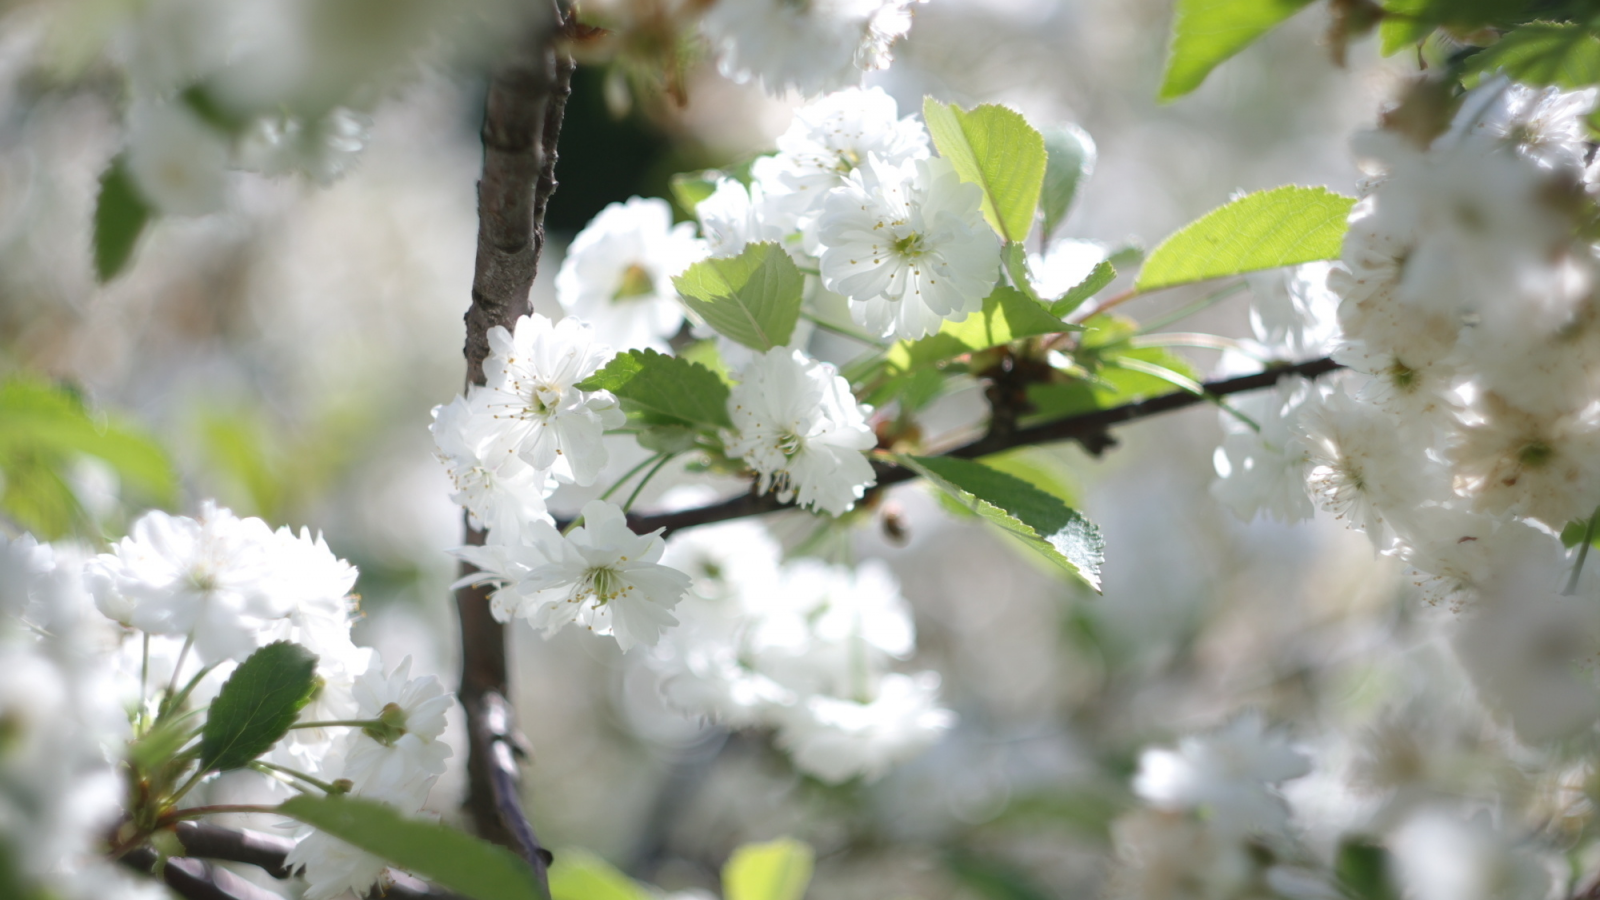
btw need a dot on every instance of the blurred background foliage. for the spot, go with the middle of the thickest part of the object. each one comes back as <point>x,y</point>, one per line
<point>284,356</point>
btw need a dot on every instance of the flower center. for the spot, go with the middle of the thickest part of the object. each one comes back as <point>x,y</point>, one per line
<point>1535,454</point>
<point>636,282</point>
<point>603,583</point>
<point>544,399</point>
<point>909,246</point>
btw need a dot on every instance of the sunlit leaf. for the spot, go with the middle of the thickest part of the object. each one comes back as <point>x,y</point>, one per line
<point>577,875</point>
<point>1207,32</point>
<point>1283,226</point>
<point>1042,521</point>
<point>753,298</point>
<point>995,148</point>
<point>1543,53</point>
<point>1071,155</point>
<point>665,387</point>
<point>776,870</point>
<point>1007,316</point>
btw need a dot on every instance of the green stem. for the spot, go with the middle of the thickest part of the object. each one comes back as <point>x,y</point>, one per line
<point>1189,339</point>
<point>173,703</point>
<point>195,812</point>
<point>273,768</point>
<point>1583,554</point>
<point>177,667</point>
<point>631,472</point>
<point>1185,312</point>
<point>188,785</point>
<point>332,723</point>
<point>842,331</point>
<point>665,458</point>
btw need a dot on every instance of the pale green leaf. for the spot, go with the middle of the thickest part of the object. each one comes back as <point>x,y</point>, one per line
<point>577,875</point>
<point>1007,315</point>
<point>996,149</point>
<point>1101,275</point>
<point>1283,226</point>
<point>1207,32</point>
<point>776,870</point>
<point>49,422</point>
<point>753,298</point>
<point>455,861</point>
<point>1041,520</point>
<point>256,705</point>
<point>1543,53</point>
<point>120,215</point>
<point>689,188</point>
<point>665,388</point>
<point>1071,156</point>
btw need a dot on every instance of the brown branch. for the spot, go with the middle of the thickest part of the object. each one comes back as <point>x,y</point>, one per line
<point>1089,427</point>
<point>522,124</point>
<point>194,878</point>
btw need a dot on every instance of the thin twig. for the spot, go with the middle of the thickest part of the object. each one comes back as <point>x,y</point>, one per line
<point>1089,427</point>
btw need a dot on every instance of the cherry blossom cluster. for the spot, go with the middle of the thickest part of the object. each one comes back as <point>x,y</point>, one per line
<point>803,647</point>
<point>1466,436</point>
<point>89,644</point>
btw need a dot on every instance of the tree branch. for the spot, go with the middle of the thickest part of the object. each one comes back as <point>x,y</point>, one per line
<point>522,124</point>
<point>1089,427</point>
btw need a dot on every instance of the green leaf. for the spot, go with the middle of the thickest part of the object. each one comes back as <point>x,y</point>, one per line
<point>1207,32</point>
<point>1543,53</point>
<point>577,875</point>
<point>1014,257</point>
<point>665,387</point>
<point>1007,316</point>
<point>51,424</point>
<point>256,705</point>
<point>689,188</point>
<point>455,861</point>
<point>1042,521</point>
<point>776,870</point>
<point>1364,870</point>
<point>707,354</point>
<point>992,879</point>
<point>1395,33</point>
<point>753,298</point>
<point>1038,467</point>
<point>120,215</point>
<point>1071,155</point>
<point>1103,274</point>
<point>1284,226</point>
<point>996,149</point>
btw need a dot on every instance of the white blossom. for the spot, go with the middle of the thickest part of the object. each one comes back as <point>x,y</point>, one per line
<point>540,413</point>
<point>214,578</point>
<point>837,738</point>
<point>1264,471</point>
<point>617,274</point>
<point>499,498</point>
<point>1544,124</point>
<point>601,576</point>
<point>908,245</point>
<point>810,47</point>
<point>797,425</point>
<point>1229,775</point>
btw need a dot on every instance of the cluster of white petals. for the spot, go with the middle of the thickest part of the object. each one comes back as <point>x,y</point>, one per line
<point>811,47</point>
<point>395,761</point>
<point>617,274</point>
<point>1465,434</point>
<point>798,426</point>
<point>803,647</point>
<point>1215,823</point>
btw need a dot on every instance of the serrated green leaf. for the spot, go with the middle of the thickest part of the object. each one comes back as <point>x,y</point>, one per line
<point>1042,521</point>
<point>577,875</point>
<point>1283,226</point>
<point>995,148</point>
<point>120,214</point>
<point>256,705</point>
<point>1038,467</point>
<point>668,387</point>
<point>707,354</point>
<point>1207,32</point>
<point>1007,316</point>
<point>1101,275</point>
<point>1395,33</point>
<point>1071,155</point>
<point>1566,55</point>
<point>1014,257</point>
<point>455,861</point>
<point>753,298</point>
<point>50,424</point>
<point>776,870</point>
